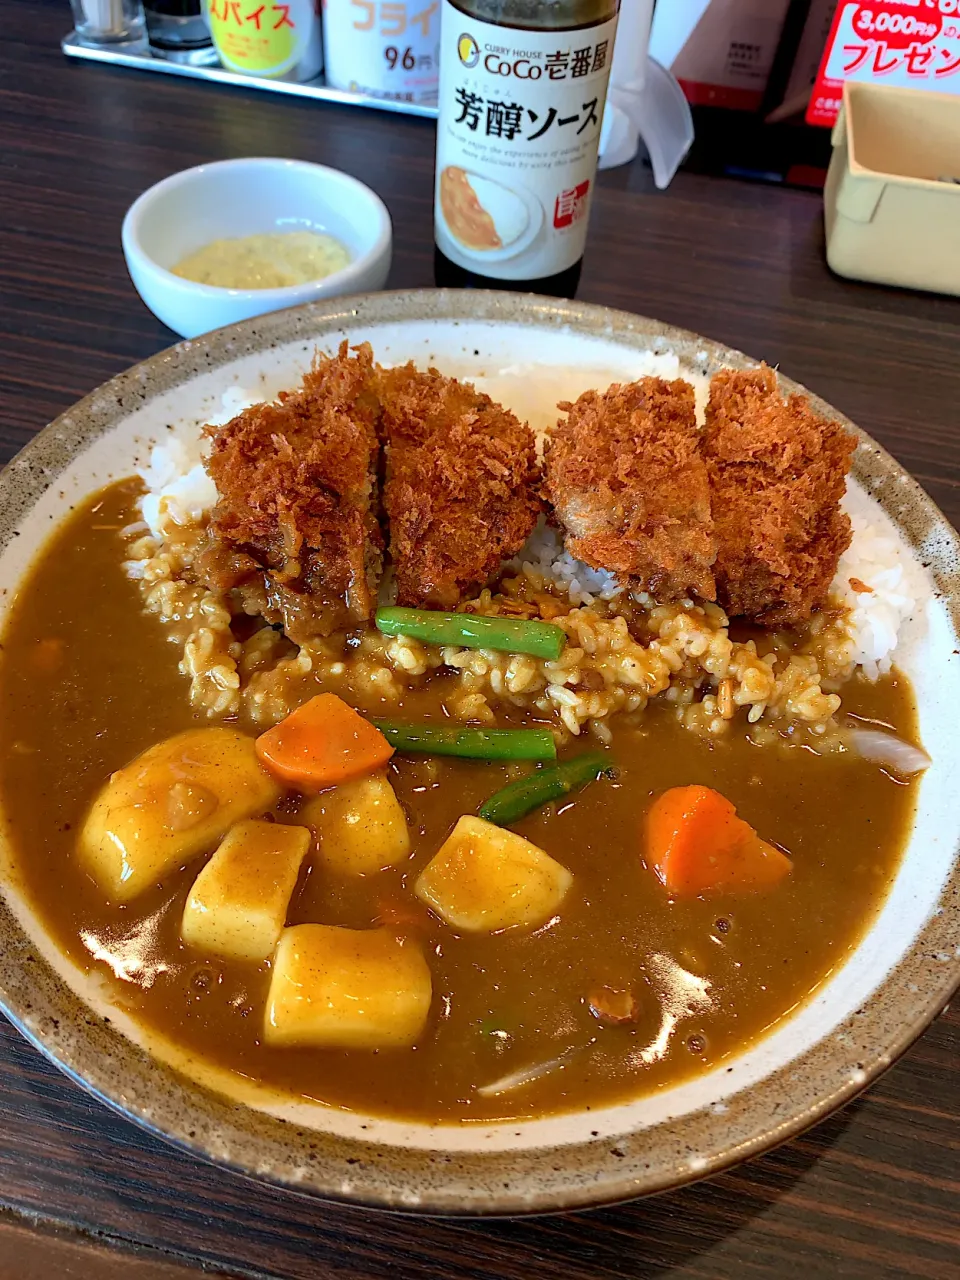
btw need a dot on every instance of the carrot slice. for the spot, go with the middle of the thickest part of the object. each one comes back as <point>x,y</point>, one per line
<point>322,743</point>
<point>696,844</point>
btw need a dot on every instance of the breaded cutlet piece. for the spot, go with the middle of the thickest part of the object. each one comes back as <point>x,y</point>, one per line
<point>628,484</point>
<point>777,474</point>
<point>295,529</point>
<point>461,492</point>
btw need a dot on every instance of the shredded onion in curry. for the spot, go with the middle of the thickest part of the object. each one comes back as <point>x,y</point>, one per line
<point>524,1076</point>
<point>887,749</point>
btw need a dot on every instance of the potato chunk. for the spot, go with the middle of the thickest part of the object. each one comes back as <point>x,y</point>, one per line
<point>485,878</point>
<point>174,802</point>
<point>346,988</point>
<point>360,826</point>
<point>238,904</point>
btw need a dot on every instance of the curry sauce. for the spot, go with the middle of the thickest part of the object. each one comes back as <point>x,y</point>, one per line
<point>465,215</point>
<point>88,680</point>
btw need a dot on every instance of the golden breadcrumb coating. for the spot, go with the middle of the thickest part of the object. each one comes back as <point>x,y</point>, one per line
<point>629,485</point>
<point>461,492</point>
<point>777,475</point>
<point>746,511</point>
<point>295,527</point>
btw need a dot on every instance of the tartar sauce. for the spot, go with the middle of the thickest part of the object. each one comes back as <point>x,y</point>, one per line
<point>272,260</point>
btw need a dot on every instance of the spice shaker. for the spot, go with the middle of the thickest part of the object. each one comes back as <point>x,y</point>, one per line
<point>100,23</point>
<point>278,39</point>
<point>178,31</point>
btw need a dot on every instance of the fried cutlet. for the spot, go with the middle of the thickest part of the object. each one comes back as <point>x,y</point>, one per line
<point>295,529</point>
<point>461,485</point>
<point>777,475</point>
<point>629,485</point>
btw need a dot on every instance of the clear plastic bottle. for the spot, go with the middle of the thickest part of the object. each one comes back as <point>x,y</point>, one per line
<point>383,48</point>
<point>110,23</point>
<point>277,39</point>
<point>522,90</point>
<point>178,31</point>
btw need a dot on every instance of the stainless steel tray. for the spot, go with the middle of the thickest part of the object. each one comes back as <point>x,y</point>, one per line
<point>317,88</point>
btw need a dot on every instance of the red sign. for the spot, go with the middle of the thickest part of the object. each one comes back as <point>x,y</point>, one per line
<point>912,43</point>
<point>898,30</point>
<point>571,205</point>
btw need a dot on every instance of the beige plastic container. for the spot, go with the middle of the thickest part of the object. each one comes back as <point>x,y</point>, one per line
<point>889,215</point>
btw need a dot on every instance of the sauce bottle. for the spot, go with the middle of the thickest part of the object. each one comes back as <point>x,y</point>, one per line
<point>522,89</point>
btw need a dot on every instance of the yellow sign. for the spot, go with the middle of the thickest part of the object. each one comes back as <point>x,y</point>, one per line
<point>261,36</point>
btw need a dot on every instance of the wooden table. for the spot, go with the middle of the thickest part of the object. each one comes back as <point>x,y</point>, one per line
<point>873,1192</point>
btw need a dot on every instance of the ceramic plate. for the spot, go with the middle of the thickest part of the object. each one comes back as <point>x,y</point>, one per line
<point>531,352</point>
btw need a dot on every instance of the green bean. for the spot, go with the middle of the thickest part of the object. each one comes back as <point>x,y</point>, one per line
<point>543,785</point>
<point>472,631</point>
<point>474,744</point>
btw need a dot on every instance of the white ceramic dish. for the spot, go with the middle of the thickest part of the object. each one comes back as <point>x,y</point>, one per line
<point>233,198</point>
<point>530,351</point>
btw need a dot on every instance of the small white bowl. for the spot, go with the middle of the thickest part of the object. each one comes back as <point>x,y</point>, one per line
<point>241,198</point>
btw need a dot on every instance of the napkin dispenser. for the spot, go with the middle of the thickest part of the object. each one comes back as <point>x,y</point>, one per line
<point>892,199</point>
<point>644,101</point>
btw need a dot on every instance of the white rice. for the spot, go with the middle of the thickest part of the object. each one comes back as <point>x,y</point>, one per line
<point>876,560</point>
<point>178,487</point>
<point>234,400</point>
<point>543,552</point>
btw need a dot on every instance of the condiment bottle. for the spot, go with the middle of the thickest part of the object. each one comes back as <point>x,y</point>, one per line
<point>280,41</point>
<point>522,89</point>
<point>178,31</point>
<point>102,24</point>
<point>383,48</point>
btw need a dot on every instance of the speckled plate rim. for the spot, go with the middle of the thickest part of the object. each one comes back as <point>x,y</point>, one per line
<point>91,1050</point>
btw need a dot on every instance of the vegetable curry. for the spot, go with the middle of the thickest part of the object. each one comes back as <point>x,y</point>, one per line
<point>618,968</point>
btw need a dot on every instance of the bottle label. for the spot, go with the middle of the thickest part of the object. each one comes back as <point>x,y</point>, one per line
<point>517,139</point>
<point>266,38</point>
<point>383,49</point>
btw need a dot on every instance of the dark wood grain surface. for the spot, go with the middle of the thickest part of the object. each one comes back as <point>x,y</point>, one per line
<point>873,1192</point>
